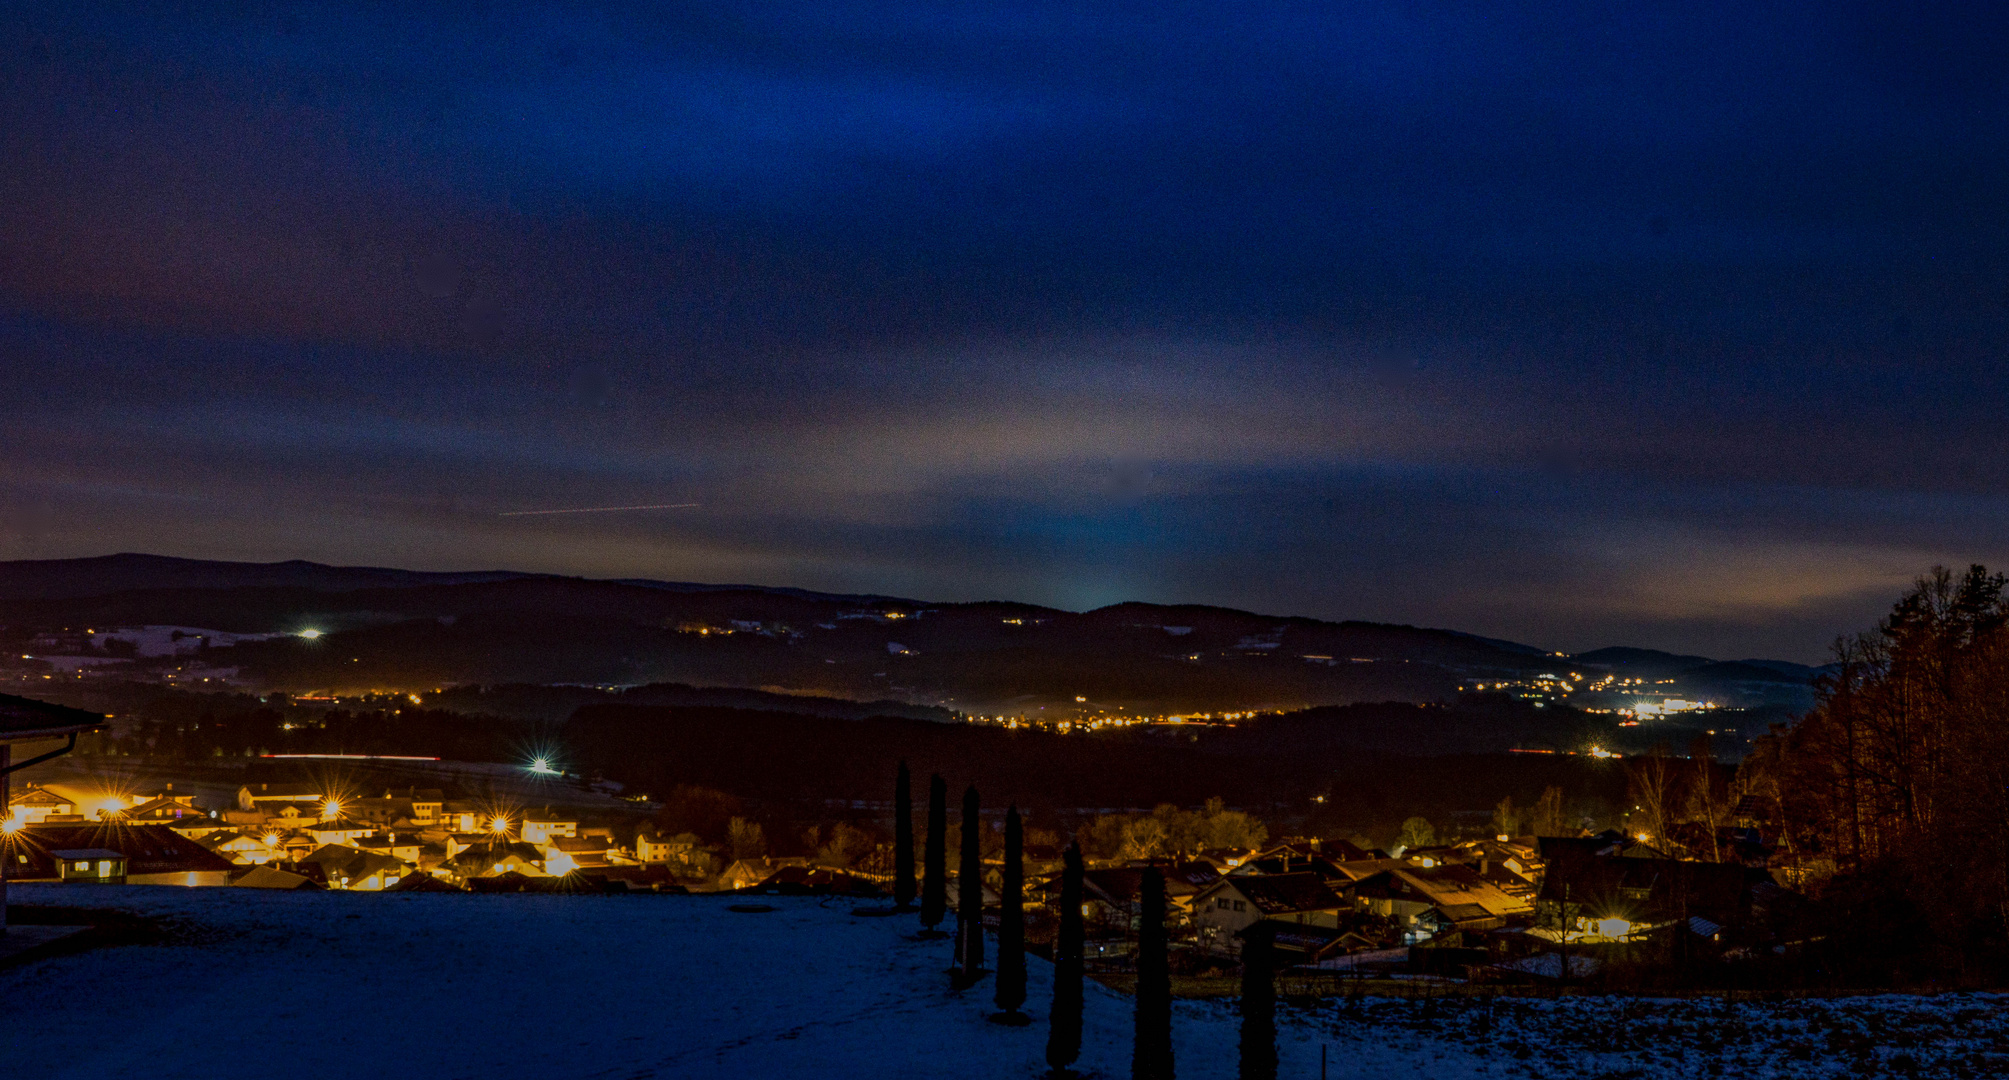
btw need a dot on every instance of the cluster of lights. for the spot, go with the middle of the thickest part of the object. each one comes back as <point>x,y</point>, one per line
<point>1105,719</point>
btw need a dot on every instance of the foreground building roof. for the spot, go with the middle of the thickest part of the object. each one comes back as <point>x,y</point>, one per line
<point>23,719</point>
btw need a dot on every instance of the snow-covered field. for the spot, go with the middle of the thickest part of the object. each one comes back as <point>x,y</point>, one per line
<point>441,986</point>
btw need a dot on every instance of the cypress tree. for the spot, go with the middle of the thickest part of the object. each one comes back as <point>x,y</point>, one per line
<point>970,892</point>
<point>1259,1004</point>
<point>1063,1036</point>
<point>903,840</point>
<point>1011,922</point>
<point>1151,1054</point>
<point>935,889</point>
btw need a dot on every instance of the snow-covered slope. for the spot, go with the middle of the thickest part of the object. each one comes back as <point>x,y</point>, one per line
<point>441,986</point>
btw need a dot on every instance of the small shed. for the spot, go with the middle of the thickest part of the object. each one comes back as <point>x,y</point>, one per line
<point>90,866</point>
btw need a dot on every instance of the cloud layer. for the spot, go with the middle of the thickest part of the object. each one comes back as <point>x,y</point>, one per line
<point>1562,323</point>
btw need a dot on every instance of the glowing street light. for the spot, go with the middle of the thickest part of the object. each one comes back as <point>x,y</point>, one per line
<point>12,824</point>
<point>542,767</point>
<point>1614,927</point>
<point>331,809</point>
<point>499,826</point>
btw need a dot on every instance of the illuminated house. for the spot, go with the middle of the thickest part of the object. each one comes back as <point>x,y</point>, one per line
<point>339,830</point>
<point>403,847</point>
<point>37,804</point>
<point>1231,905</point>
<point>540,829</point>
<point>270,799</point>
<point>90,866</point>
<point>166,809</point>
<point>1427,903</point>
<point>154,854</point>
<point>491,860</point>
<point>350,868</point>
<point>651,847</point>
<point>460,817</point>
<point>241,847</point>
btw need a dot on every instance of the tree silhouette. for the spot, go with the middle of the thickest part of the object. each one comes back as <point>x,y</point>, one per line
<point>970,893</point>
<point>1259,1004</point>
<point>1151,1054</point>
<point>935,889</point>
<point>1011,923</point>
<point>903,839</point>
<point>1063,1037</point>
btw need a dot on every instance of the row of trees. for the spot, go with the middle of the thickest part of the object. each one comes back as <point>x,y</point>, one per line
<point>1151,1052</point>
<point>1169,831</point>
<point>1895,787</point>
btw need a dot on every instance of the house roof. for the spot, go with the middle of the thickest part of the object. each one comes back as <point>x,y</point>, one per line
<point>340,825</point>
<point>1288,859</point>
<point>87,853</point>
<point>165,807</point>
<point>147,849</point>
<point>25,719</point>
<point>268,877</point>
<point>1445,888</point>
<point>491,854</point>
<point>417,882</point>
<point>338,861</point>
<point>1282,894</point>
<point>1362,869</point>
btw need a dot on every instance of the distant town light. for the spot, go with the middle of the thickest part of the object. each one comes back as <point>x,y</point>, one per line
<point>310,634</point>
<point>542,767</point>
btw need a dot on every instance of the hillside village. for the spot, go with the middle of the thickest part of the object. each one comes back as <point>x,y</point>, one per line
<point>1504,908</point>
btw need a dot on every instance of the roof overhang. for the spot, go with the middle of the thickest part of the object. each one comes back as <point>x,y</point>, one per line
<point>27,720</point>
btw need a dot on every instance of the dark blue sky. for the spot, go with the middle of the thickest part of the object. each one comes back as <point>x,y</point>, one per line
<point>1571,323</point>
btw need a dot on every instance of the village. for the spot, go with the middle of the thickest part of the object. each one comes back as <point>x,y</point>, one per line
<point>1500,909</point>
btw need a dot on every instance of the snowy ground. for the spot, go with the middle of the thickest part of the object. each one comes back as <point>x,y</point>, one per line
<point>441,986</point>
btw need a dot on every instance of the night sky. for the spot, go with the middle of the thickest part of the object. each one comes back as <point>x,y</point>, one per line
<point>1580,324</point>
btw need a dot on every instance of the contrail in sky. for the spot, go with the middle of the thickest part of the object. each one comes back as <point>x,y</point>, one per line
<point>597,509</point>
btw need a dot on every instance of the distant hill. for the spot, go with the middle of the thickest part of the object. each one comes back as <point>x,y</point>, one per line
<point>380,628</point>
<point>1653,664</point>
<point>54,579</point>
